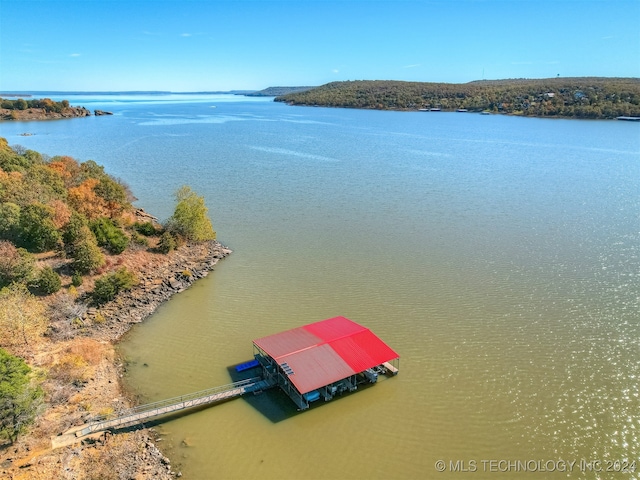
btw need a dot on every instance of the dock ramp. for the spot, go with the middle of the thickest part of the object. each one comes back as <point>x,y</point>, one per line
<point>149,411</point>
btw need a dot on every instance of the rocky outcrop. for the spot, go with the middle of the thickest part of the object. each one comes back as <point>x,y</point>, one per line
<point>43,114</point>
<point>98,113</point>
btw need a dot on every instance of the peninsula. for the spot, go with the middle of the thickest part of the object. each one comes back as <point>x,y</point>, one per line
<point>40,109</point>
<point>579,97</point>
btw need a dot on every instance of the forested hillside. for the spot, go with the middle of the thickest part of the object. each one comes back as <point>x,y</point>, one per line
<point>81,215</point>
<point>583,97</point>
<point>275,91</point>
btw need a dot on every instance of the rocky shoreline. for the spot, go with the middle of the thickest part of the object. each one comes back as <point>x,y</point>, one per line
<point>29,114</point>
<point>133,454</point>
<point>157,283</point>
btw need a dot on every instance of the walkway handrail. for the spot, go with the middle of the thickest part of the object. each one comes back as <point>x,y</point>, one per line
<point>175,400</point>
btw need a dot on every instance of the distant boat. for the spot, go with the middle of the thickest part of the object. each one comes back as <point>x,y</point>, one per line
<point>485,113</point>
<point>629,119</point>
<point>462,110</point>
<point>435,110</point>
<point>423,109</point>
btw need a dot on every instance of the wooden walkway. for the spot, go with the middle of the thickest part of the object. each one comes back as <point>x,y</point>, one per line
<point>146,412</point>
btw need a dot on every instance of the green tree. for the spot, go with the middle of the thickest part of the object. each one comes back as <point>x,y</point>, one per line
<point>190,218</point>
<point>108,235</point>
<point>86,254</point>
<point>36,228</point>
<point>48,281</point>
<point>19,398</point>
<point>80,244</point>
<point>107,287</point>
<point>9,219</point>
<point>167,243</point>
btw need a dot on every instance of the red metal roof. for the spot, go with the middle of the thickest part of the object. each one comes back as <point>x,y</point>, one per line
<point>327,351</point>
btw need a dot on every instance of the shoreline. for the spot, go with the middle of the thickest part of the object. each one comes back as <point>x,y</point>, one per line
<point>31,114</point>
<point>476,112</point>
<point>134,452</point>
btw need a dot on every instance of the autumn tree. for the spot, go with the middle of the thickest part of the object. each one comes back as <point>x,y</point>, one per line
<point>67,167</point>
<point>22,316</point>
<point>16,264</point>
<point>19,398</point>
<point>84,200</point>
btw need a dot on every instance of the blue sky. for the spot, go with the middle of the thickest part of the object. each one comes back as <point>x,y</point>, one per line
<point>190,45</point>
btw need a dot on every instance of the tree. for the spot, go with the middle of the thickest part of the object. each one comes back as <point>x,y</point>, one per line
<point>107,287</point>
<point>19,399</point>
<point>80,244</point>
<point>113,194</point>
<point>16,264</point>
<point>190,218</point>
<point>83,198</point>
<point>167,243</point>
<point>86,254</point>
<point>108,235</point>
<point>36,228</point>
<point>9,218</point>
<point>48,281</point>
<point>22,317</point>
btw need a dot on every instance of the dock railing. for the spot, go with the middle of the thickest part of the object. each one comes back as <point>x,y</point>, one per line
<point>140,413</point>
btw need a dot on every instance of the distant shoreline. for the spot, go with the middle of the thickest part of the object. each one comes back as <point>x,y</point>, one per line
<point>31,114</point>
<point>579,97</point>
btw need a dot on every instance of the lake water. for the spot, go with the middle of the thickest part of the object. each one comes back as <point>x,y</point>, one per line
<point>500,256</point>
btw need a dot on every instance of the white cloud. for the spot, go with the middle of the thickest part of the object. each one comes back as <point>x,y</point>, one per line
<point>335,70</point>
<point>186,35</point>
<point>75,55</point>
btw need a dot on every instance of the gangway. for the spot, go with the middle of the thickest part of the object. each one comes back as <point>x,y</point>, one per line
<point>146,412</point>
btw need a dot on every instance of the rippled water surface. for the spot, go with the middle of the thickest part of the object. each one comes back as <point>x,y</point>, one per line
<point>500,256</point>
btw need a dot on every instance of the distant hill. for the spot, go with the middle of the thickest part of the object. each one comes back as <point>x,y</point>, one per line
<point>276,91</point>
<point>580,97</point>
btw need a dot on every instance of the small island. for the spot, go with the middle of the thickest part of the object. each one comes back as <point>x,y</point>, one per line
<point>580,97</point>
<point>39,109</point>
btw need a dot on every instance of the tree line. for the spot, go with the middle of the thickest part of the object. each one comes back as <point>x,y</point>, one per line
<point>45,103</point>
<point>583,97</point>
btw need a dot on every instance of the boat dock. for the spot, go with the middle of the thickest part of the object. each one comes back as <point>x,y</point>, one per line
<point>150,411</point>
<point>319,360</point>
